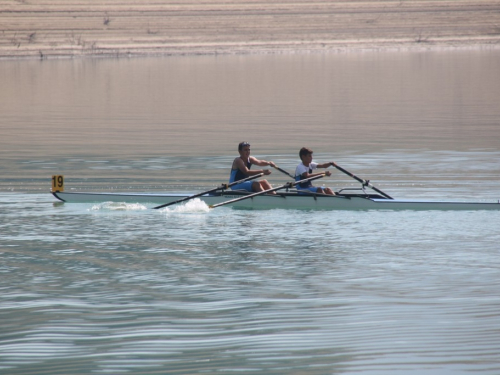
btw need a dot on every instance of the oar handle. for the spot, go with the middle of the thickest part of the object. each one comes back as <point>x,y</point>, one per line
<point>221,187</point>
<point>283,171</point>
<point>363,182</point>
<point>287,185</point>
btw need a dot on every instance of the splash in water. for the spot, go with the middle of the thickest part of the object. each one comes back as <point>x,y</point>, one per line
<point>193,206</point>
<point>118,206</point>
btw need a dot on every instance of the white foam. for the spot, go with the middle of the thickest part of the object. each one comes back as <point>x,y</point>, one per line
<point>118,206</point>
<point>192,206</point>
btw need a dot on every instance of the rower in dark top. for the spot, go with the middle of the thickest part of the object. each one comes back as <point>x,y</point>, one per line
<point>241,169</point>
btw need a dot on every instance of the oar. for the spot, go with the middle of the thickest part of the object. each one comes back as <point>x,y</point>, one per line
<point>222,187</point>
<point>287,185</point>
<point>363,182</point>
<point>283,171</point>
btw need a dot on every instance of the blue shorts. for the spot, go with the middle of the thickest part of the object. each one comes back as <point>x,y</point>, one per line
<point>247,185</point>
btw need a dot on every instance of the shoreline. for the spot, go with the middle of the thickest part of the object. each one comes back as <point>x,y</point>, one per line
<point>53,29</point>
<point>219,50</point>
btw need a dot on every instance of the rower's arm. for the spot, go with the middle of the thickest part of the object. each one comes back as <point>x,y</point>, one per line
<point>248,172</point>
<point>326,165</point>
<point>309,175</point>
<point>262,163</point>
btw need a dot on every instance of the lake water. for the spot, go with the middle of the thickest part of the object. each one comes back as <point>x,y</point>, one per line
<point>124,289</point>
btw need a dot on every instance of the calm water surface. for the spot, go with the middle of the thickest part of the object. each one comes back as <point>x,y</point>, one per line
<point>124,289</point>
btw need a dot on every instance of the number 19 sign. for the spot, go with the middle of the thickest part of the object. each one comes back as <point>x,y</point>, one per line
<point>57,183</point>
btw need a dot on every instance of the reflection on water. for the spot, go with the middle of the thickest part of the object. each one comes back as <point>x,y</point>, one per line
<point>147,120</point>
<point>118,288</point>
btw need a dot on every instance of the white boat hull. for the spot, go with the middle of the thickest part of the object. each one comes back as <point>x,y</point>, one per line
<point>284,200</point>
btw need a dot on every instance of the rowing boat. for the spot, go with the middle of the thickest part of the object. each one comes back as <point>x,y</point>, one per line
<point>285,196</point>
<point>346,199</point>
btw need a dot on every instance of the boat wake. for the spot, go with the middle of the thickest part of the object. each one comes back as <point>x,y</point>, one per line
<point>118,206</point>
<point>193,206</point>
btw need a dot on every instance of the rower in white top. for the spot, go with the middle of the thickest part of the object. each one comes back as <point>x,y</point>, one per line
<point>306,169</point>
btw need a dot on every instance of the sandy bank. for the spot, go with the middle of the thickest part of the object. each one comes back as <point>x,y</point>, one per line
<point>68,28</point>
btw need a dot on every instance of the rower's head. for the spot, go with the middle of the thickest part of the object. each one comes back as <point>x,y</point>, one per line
<point>305,152</point>
<point>243,144</point>
<point>244,148</point>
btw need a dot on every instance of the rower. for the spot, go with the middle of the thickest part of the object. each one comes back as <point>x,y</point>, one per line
<point>241,170</point>
<point>305,170</point>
